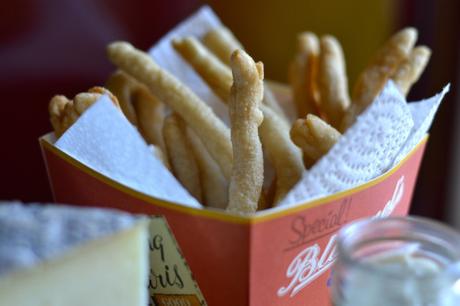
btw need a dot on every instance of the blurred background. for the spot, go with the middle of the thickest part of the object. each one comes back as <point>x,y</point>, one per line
<point>53,47</point>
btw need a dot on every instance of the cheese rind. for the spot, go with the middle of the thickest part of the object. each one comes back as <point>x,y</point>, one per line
<point>30,234</point>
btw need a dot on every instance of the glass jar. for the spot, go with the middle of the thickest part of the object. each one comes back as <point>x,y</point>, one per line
<point>397,261</point>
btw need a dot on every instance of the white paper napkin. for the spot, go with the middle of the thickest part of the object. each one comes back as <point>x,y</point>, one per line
<point>104,140</point>
<point>382,135</point>
<point>366,150</point>
<point>423,113</point>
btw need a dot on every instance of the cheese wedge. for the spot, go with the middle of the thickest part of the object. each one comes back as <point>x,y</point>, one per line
<point>56,255</point>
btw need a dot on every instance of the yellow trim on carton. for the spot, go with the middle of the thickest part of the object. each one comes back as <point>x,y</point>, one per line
<point>262,216</point>
<point>136,194</point>
<point>214,213</point>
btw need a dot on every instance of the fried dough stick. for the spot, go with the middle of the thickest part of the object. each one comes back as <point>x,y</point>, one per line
<point>214,72</point>
<point>379,70</point>
<point>302,74</point>
<point>332,81</point>
<point>199,116</point>
<point>122,86</point>
<point>222,43</point>
<point>274,131</point>
<point>140,107</point>
<point>180,155</point>
<point>64,112</point>
<point>245,116</point>
<point>282,153</point>
<point>411,68</point>
<point>150,112</point>
<point>214,186</point>
<point>314,136</point>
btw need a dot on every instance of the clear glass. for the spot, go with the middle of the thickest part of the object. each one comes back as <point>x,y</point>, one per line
<point>400,261</point>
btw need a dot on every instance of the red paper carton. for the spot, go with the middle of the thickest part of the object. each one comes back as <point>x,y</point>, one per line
<point>275,257</point>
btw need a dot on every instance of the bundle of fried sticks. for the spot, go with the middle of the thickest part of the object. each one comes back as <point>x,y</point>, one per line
<point>223,167</point>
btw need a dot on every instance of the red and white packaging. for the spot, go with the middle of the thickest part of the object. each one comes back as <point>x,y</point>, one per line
<point>281,256</point>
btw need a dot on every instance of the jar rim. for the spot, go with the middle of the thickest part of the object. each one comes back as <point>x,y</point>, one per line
<point>443,235</point>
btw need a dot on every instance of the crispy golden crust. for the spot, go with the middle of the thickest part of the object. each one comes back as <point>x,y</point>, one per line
<point>386,61</point>
<point>410,70</point>
<point>207,65</point>
<point>376,74</point>
<point>332,80</point>
<point>150,113</point>
<point>274,134</point>
<point>222,43</point>
<point>84,100</point>
<point>245,116</point>
<point>213,183</point>
<point>140,107</point>
<point>180,155</point>
<point>56,109</point>
<point>302,74</point>
<point>64,112</point>
<point>314,136</point>
<point>199,116</point>
<point>282,153</point>
<point>123,86</point>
